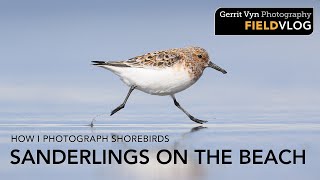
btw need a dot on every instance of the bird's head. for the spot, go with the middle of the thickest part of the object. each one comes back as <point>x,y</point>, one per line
<point>201,55</point>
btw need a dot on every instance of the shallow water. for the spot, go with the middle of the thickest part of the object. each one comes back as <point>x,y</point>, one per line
<point>253,133</point>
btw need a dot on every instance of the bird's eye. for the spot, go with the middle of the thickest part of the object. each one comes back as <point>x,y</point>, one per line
<point>199,56</point>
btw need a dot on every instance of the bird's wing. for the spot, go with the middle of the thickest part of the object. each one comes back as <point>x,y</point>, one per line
<point>157,59</point>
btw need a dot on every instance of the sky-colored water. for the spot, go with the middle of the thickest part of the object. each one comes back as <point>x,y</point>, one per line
<point>182,137</point>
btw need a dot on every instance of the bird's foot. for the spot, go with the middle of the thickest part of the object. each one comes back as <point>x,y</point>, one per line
<point>91,124</point>
<point>198,120</point>
<point>117,109</point>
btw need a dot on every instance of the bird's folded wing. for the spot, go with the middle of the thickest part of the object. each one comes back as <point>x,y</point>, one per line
<point>157,59</point>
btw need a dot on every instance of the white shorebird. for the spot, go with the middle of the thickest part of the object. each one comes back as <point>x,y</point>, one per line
<point>162,72</point>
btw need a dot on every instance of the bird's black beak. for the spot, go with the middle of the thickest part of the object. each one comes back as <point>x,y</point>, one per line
<point>216,67</point>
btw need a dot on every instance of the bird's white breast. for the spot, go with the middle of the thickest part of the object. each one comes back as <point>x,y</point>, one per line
<point>165,81</point>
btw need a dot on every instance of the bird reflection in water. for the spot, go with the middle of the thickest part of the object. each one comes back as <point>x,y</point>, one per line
<point>155,170</point>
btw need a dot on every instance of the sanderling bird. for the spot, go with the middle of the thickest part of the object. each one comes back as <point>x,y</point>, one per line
<point>162,73</point>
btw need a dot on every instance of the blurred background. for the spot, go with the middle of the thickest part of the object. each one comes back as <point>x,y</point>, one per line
<point>46,49</point>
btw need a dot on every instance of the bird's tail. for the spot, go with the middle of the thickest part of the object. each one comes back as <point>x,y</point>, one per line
<point>109,63</point>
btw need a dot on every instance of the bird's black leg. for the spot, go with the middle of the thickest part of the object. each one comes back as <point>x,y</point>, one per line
<point>124,102</point>
<point>189,115</point>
